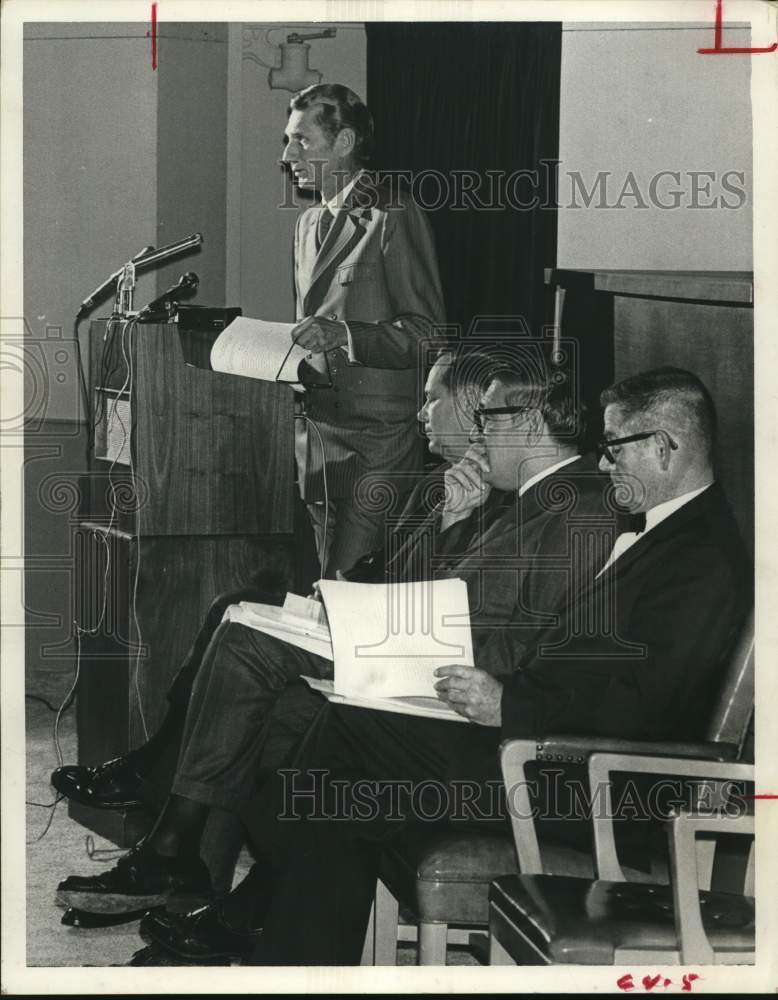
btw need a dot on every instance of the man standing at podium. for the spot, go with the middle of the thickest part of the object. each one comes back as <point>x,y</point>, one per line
<point>368,291</point>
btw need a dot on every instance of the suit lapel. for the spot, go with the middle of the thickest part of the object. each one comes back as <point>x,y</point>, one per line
<point>346,232</point>
<point>665,529</point>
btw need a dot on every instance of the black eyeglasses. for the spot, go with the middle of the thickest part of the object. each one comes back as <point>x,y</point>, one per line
<point>604,446</point>
<point>487,411</point>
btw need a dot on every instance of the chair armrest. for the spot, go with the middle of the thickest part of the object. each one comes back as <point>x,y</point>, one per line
<point>681,831</point>
<point>602,765</point>
<point>514,757</point>
<point>577,748</point>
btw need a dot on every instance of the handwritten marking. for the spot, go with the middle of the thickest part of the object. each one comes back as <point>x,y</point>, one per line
<point>154,36</point>
<point>720,50</point>
<point>627,982</point>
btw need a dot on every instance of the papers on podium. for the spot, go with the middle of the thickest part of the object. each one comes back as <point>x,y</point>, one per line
<point>257,349</point>
<point>385,640</point>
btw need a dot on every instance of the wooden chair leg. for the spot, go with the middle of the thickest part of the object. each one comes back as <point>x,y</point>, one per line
<point>386,915</point>
<point>432,944</point>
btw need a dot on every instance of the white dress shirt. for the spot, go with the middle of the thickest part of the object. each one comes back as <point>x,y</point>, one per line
<point>338,200</point>
<point>654,517</point>
<point>546,472</point>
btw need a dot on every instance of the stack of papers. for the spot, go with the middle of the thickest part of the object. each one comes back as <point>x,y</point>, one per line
<point>385,640</point>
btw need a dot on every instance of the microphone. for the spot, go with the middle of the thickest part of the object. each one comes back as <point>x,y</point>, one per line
<point>101,289</point>
<point>186,283</point>
<point>145,258</point>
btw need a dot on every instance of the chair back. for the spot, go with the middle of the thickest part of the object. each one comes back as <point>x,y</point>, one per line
<point>735,707</point>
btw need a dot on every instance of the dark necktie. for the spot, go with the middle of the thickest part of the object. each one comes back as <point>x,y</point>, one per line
<point>325,222</point>
<point>633,522</point>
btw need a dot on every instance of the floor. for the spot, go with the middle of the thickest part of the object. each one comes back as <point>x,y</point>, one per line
<point>58,846</point>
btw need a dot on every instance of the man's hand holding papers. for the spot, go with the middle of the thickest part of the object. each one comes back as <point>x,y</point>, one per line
<point>471,692</point>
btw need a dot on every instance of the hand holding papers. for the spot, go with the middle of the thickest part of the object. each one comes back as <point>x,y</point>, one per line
<point>258,349</point>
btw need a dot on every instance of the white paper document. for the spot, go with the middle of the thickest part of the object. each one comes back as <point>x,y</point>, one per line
<point>388,639</point>
<point>257,349</point>
<point>300,622</point>
<point>385,640</point>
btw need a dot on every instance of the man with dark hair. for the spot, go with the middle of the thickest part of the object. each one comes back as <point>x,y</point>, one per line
<point>666,607</point>
<point>504,531</point>
<point>244,673</point>
<point>368,290</point>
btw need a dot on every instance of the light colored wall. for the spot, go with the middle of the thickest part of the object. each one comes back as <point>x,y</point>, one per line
<point>264,231</point>
<point>643,99</point>
<point>118,156</point>
<point>90,125</point>
<point>192,153</point>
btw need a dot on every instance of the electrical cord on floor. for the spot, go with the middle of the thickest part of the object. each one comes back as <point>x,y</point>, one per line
<point>45,805</point>
<point>100,853</point>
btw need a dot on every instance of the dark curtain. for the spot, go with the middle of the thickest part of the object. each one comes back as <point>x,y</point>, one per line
<point>462,99</point>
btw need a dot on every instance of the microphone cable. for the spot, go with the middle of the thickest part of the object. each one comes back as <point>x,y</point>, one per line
<point>324,548</point>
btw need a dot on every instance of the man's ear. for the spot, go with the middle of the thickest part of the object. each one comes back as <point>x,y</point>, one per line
<point>346,141</point>
<point>535,425</point>
<point>662,446</point>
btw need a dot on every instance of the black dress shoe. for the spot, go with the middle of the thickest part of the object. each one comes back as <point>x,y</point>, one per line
<point>200,936</point>
<point>142,879</point>
<point>113,785</point>
<point>73,917</point>
<point>157,956</point>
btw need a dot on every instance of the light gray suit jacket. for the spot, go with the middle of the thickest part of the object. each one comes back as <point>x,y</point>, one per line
<point>377,269</point>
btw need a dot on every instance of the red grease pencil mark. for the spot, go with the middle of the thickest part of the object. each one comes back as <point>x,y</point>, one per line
<point>153,36</point>
<point>759,796</point>
<point>718,49</point>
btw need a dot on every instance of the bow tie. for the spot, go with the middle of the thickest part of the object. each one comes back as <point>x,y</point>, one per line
<point>632,523</point>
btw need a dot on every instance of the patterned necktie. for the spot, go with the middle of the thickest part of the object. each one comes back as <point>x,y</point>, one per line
<point>325,222</point>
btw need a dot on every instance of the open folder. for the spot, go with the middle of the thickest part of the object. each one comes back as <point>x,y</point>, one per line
<point>385,640</point>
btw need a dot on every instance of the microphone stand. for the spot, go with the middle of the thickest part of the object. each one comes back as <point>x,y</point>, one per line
<point>123,279</point>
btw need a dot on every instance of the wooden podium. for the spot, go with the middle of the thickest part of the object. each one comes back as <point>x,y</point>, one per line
<point>190,492</point>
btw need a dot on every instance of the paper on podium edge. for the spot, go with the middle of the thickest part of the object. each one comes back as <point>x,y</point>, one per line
<point>259,349</point>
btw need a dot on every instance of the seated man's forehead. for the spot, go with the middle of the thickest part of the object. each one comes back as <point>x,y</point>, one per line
<point>493,394</point>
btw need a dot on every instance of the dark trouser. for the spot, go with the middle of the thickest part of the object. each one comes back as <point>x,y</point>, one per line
<point>319,865</point>
<point>238,685</point>
<point>157,760</point>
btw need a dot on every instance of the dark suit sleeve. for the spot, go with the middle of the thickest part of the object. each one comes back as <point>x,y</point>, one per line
<point>412,277</point>
<point>654,681</point>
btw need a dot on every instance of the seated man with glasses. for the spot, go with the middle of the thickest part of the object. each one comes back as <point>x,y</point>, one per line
<point>638,650</point>
<point>500,527</point>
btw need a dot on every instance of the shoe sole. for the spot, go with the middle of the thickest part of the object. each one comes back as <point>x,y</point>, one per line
<point>106,902</point>
<point>131,805</point>
<point>169,945</point>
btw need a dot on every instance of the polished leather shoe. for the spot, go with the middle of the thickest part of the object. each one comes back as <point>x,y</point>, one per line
<point>199,936</point>
<point>156,956</point>
<point>141,880</point>
<point>113,785</point>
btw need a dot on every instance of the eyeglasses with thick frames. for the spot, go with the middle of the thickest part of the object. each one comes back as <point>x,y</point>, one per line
<point>487,411</point>
<point>604,446</point>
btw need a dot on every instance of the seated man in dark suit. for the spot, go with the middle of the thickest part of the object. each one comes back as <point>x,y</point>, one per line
<point>500,546</point>
<point>143,776</point>
<point>666,606</point>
